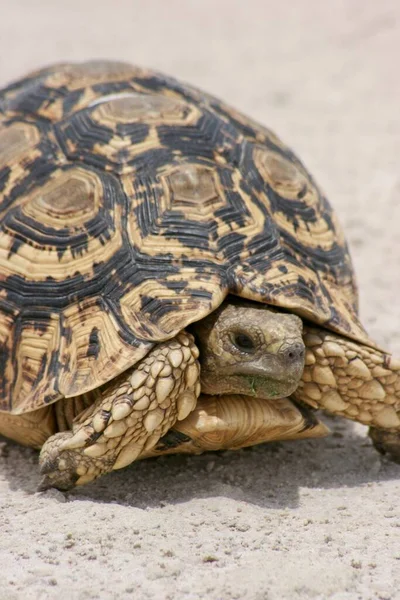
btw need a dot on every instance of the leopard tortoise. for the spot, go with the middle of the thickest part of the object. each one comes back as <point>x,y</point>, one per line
<point>172,279</point>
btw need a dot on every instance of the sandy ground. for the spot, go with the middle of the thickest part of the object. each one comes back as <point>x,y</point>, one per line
<point>284,521</point>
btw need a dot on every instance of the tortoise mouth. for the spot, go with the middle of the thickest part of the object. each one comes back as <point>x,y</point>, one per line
<point>233,421</point>
<point>268,388</point>
<point>252,386</point>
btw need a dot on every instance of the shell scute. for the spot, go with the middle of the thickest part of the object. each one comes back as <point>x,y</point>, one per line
<point>130,206</point>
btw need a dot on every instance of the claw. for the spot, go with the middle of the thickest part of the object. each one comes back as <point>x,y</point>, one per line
<point>44,485</point>
<point>49,466</point>
<point>62,482</point>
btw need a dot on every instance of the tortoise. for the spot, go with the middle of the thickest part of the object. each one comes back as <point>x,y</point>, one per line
<point>172,279</point>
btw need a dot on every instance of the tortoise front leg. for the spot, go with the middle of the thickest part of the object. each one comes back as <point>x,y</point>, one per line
<point>353,381</point>
<point>128,416</point>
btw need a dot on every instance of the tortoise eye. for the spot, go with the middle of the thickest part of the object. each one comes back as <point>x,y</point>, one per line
<point>243,342</point>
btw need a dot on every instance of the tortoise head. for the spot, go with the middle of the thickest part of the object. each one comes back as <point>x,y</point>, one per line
<point>250,349</point>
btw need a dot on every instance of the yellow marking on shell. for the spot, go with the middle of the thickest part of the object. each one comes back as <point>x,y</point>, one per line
<point>68,199</point>
<point>252,281</point>
<point>262,133</point>
<point>77,75</point>
<point>291,181</point>
<point>125,108</point>
<point>83,76</point>
<point>38,262</point>
<point>16,141</point>
<point>113,354</point>
<point>208,195</point>
<point>34,344</point>
<point>112,150</point>
<point>186,304</point>
<point>194,188</point>
<point>119,364</point>
<point>147,108</point>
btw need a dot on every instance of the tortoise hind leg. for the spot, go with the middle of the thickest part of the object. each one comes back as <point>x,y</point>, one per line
<point>353,381</point>
<point>128,416</point>
<point>30,429</point>
<point>386,442</point>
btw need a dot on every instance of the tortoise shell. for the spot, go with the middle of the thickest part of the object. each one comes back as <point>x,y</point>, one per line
<point>130,206</point>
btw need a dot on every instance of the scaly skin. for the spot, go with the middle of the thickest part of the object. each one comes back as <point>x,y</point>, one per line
<point>245,348</point>
<point>353,381</point>
<point>127,417</point>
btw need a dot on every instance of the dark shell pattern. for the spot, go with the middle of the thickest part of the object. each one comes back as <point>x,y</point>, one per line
<point>130,206</point>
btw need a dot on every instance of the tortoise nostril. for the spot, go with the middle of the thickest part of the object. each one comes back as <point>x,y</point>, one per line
<point>293,353</point>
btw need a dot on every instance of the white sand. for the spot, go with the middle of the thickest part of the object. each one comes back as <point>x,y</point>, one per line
<point>284,521</point>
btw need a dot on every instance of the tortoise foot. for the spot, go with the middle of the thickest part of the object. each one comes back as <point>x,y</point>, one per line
<point>64,469</point>
<point>386,442</point>
<point>127,418</point>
